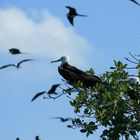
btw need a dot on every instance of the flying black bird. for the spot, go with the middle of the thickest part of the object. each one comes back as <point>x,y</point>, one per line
<point>74,75</point>
<point>38,94</point>
<point>72,13</point>
<point>16,65</point>
<point>16,51</point>
<point>37,138</point>
<point>51,91</point>
<point>63,119</point>
<point>134,1</point>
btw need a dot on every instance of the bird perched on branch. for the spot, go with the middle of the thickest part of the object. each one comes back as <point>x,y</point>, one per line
<point>72,13</point>
<point>16,65</point>
<point>15,51</point>
<point>74,75</point>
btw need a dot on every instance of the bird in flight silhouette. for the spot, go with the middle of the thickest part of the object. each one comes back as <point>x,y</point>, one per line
<point>72,13</point>
<point>50,91</point>
<point>16,65</point>
<point>134,1</point>
<point>15,51</point>
<point>63,119</point>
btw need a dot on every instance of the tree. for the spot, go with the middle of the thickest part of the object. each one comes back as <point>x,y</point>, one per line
<point>114,105</point>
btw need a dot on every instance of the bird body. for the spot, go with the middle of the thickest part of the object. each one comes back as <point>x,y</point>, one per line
<point>74,75</point>
<point>72,13</point>
<point>15,51</point>
<point>63,119</point>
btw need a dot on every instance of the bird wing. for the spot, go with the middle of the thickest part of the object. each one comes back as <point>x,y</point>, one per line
<point>72,74</point>
<point>82,15</point>
<point>53,88</point>
<point>37,95</point>
<point>70,18</point>
<point>25,60</point>
<point>71,10</point>
<point>134,1</point>
<point>5,66</point>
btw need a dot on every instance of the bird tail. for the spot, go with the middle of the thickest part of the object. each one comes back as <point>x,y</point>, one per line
<point>25,53</point>
<point>82,15</point>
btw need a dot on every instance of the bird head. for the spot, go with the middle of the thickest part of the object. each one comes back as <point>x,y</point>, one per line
<point>63,59</point>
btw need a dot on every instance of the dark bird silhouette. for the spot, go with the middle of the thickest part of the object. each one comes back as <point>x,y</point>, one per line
<point>38,94</point>
<point>134,1</point>
<point>53,89</point>
<point>17,138</point>
<point>63,119</point>
<point>72,13</point>
<point>50,91</point>
<point>74,75</point>
<point>16,65</point>
<point>37,138</point>
<point>16,51</point>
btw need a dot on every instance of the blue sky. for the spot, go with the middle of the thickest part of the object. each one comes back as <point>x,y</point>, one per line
<point>40,27</point>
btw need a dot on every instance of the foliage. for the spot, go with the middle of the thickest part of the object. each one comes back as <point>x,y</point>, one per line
<point>108,105</point>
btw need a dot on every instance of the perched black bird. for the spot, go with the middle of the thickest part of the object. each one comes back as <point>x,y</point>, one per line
<point>134,1</point>
<point>16,51</point>
<point>51,91</point>
<point>16,65</point>
<point>72,13</point>
<point>74,75</point>
<point>63,119</point>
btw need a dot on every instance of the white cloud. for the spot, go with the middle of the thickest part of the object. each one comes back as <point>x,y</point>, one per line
<point>47,37</point>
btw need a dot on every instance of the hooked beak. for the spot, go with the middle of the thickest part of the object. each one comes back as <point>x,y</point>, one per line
<point>56,60</point>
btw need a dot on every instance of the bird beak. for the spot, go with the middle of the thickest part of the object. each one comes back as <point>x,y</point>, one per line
<point>56,60</point>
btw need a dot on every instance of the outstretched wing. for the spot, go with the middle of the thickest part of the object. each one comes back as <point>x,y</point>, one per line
<point>53,88</point>
<point>5,66</point>
<point>22,61</point>
<point>63,119</point>
<point>70,18</point>
<point>134,1</point>
<point>37,95</point>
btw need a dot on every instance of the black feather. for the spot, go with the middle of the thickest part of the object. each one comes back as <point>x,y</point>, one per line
<point>37,95</point>
<point>53,89</point>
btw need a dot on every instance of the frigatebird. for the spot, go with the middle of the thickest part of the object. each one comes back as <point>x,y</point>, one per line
<point>15,51</point>
<point>16,65</point>
<point>74,75</point>
<point>134,1</point>
<point>37,138</point>
<point>50,91</point>
<point>72,13</point>
<point>63,119</point>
